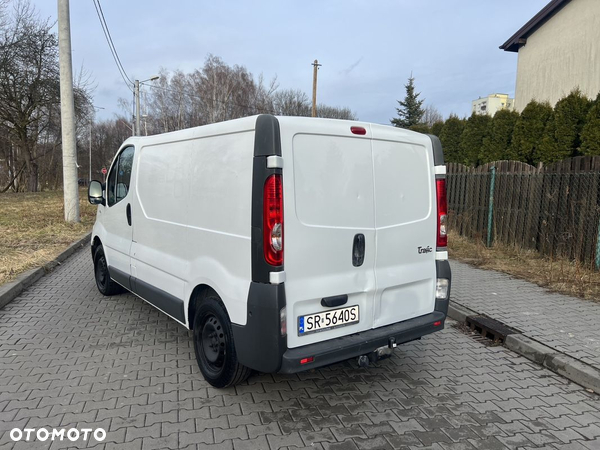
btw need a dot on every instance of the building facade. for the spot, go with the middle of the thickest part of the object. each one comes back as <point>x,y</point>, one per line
<point>559,50</point>
<point>491,104</point>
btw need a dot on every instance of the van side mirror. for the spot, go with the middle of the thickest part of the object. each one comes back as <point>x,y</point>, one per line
<point>95,196</point>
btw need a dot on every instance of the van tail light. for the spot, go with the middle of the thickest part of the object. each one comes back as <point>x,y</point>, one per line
<point>273,220</point>
<point>442,212</point>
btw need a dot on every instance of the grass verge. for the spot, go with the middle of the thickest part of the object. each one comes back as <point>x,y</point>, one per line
<point>33,230</point>
<point>558,275</point>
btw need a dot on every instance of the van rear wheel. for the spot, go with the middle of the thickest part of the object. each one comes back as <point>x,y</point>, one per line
<point>105,284</point>
<point>214,346</point>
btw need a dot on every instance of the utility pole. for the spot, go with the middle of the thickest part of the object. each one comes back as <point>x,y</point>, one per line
<point>90,177</point>
<point>91,126</point>
<point>137,131</point>
<point>137,107</point>
<point>67,115</point>
<point>316,66</point>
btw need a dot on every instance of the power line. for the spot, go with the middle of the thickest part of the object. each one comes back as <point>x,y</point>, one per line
<point>110,41</point>
<point>111,45</point>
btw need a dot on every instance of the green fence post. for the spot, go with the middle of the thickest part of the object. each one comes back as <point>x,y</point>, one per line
<point>491,206</point>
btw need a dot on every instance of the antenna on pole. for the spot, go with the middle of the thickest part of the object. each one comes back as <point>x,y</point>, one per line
<point>316,66</point>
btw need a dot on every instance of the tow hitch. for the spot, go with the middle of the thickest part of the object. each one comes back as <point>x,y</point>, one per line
<point>392,343</point>
<point>381,353</point>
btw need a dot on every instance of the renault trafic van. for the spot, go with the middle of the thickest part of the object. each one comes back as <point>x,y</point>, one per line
<point>283,243</point>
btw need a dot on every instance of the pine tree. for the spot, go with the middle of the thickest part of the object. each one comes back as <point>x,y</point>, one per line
<point>420,128</point>
<point>411,109</point>
<point>590,135</point>
<point>562,138</point>
<point>450,138</point>
<point>570,114</point>
<point>529,131</point>
<point>549,151</point>
<point>496,143</point>
<point>471,141</point>
<point>436,128</point>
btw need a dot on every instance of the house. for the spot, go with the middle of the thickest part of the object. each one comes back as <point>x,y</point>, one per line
<point>559,50</point>
<point>491,104</point>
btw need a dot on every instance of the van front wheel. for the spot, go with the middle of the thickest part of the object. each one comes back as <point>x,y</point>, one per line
<point>214,347</point>
<point>106,286</point>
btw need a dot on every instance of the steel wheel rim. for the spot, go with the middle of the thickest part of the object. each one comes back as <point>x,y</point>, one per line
<point>212,344</point>
<point>101,272</point>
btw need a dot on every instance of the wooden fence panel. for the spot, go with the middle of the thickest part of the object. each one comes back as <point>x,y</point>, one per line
<point>554,209</point>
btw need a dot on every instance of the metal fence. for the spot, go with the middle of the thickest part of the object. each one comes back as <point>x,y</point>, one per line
<point>553,209</point>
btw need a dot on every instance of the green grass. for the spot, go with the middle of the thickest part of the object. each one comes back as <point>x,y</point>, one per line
<point>555,274</point>
<point>33,230</point>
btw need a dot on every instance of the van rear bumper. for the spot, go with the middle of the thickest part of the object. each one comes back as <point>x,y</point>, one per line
<point>346,347</point>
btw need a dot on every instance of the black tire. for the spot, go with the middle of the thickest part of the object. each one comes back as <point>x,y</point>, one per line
<point>105,284</point>
<point>214,346</point>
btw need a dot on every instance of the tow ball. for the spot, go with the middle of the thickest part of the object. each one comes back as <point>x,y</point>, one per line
<point>381,353</point>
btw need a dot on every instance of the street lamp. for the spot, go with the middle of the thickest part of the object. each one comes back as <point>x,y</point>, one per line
<point>136,93</point>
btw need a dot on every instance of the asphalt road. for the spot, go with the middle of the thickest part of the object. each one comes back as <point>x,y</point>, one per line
<point>71,358</point>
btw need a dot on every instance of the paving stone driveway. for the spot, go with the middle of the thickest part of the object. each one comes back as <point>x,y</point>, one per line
<point>567,324</point>
<point>72,358</point>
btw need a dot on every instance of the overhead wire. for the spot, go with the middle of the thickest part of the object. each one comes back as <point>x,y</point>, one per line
<point>111,44</point>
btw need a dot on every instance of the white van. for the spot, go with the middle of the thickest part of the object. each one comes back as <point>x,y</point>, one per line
<point>284,243</point>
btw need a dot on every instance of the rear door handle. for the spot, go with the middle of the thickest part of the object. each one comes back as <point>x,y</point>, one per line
<point>128,212</point>
<point>336,300</point>
<point>358,250</point>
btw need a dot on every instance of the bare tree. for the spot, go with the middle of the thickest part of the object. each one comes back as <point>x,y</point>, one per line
<point>291,102</point>
<point>431,115</point>
<point>217,92</point>
<point>30,94</point>
<point>335,112</point>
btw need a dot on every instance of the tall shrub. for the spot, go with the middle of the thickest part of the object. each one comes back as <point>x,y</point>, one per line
<point>529,131</point>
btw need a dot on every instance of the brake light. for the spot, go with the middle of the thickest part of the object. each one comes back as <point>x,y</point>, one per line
<point>358,130</point>
<point>307,360</point>
<point>442,212</point>
<point>273,220</point>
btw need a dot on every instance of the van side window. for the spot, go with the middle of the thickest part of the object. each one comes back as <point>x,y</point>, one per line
<point>117,186</point>
<point>124,173</point>
<point>110,185</point>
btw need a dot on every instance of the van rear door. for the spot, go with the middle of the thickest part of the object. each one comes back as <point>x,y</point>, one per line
<point>329,231</point>
<point>405,220</point>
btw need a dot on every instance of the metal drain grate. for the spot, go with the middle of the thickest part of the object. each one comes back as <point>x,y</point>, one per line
<point>489,328</point>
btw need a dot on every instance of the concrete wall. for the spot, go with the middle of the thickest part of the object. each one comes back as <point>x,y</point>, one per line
<point>561,55</point>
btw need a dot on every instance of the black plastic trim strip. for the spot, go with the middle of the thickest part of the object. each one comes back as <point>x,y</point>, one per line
<point>346,347</point>
<point>120,277</point>
<point>164,301</point>
<point>259,344</point>
<point>438,153</point>
<point>267,140</point>
<point>442,269</point>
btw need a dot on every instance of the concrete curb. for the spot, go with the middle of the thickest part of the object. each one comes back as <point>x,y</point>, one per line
<point>10,291</point>
<point>560,363</point>
<point>459,312</point>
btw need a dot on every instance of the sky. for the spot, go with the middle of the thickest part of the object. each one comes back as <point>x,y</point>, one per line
<point>367,48</point>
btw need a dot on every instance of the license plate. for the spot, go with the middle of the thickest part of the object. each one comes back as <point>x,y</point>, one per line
<point>327,320</point>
